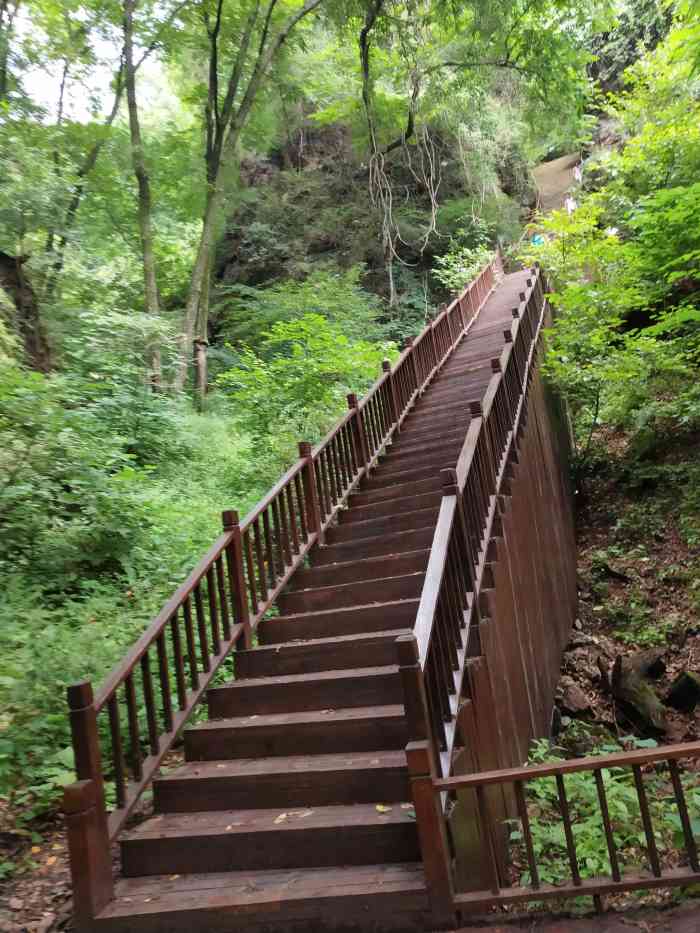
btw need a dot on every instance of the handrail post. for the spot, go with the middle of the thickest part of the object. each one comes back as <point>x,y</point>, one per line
<point>237,581</point>
<point>422,769</point>
<point>86,740</point>
<point>313,508</point>
<point>386,366</point>
<point>363,450</point>
<point>86,813</point>
<point>89,850</point>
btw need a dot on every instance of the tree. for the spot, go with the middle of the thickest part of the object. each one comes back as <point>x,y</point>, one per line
<point>144,185</point>
<point>261,37</point>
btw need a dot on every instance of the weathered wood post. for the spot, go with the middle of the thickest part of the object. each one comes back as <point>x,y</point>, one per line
<point>86,813</point>
<point>237,581</point>
<point>422,769</point>
<point>311,503</point>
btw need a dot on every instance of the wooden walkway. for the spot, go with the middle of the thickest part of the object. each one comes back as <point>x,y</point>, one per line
<point>294,807</point>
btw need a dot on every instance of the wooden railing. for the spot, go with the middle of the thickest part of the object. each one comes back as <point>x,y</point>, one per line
<point>623,766</point>
<point>122,733</point>
<point>433,659</point>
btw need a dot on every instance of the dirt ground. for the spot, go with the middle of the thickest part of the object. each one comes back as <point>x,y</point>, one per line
<point>684,918</point>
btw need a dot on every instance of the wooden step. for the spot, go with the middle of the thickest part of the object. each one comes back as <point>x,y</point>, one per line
<point>367,686</point>
<point>362,513</point>
<point>351,571</point>
<point>386,589</point>
<point>432,444</point>
<point>396,543</point>
<point>397,491</point>
<point>253,840</point>
<point>341,899</point>
<point>379,480</point>
<point>437,460</point>
<point>299,780</point>
<point>361,729</point>
<point>385,525</point>
<point>416,445</point>
<point>319,654</point>
<point>353,620</point>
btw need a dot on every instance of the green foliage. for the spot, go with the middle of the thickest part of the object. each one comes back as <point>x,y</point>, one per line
<point>468,253</point>
<point>624,267</point>
<point>547,827</point>
<point>247,313</point>
<point>293,386</point>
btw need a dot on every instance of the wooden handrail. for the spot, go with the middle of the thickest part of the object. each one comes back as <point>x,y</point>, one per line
<point>150,695</point>
<point>637,756</point>
<point>450,596</point>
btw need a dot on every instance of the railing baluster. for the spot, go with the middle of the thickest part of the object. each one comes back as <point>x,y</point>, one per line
<point>269,552</point>
<point>213,612</point>
<point>179,662</point>
<point>263,583</point>
<point>292,517</point>
<point>646,821</point>
<point>250,569</point>
<point>150,704</point>
<point>201,628</point>
<point>607,826</point>
<point>117,750</point>
<point>688,836</point>
<point>164,677</point>
<point>527,833</point>
<point>568,833</point>
<point>191,647</point>
<point>133,723</point>
<point>280,561</point>
<point>285,531</point>
<point>223,601</point>
<point>301,508</point>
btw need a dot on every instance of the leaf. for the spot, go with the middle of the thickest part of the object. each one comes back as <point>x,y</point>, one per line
<point>281,818</point>
<point>382,808</point>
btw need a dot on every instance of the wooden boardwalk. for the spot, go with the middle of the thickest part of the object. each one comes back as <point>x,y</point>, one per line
<point>306,799</point>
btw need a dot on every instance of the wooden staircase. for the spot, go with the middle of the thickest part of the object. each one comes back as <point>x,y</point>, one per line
<point>293,807</point>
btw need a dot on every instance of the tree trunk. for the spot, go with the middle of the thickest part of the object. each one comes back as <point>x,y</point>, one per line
<point>145,205</point>
<point>8,11</point>
<point>19,289</point>
<point>224,128</point>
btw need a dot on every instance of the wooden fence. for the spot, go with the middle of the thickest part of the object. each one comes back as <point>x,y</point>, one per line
<point>122,732</point>
<point>683,870</point>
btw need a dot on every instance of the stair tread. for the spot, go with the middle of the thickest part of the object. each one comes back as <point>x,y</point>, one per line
<point>164,894</point>
<point>360,563</point>
<point>350,609</point>
<point>249,767</point>
<point>232,822</point>
<point>342,588</point>
<point>302,718</point>
<point>330,640</point>
<point>285,679</point>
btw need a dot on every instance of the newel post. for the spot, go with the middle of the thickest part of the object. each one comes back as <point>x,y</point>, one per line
<point>237,581</point>
<point>311,502</point>
<point>86,813</point>
<point>386,366</point>
<point>361,437</point>
<point>422,770</point>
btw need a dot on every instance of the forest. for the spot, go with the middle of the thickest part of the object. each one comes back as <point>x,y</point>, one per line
<point>218,218</point>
